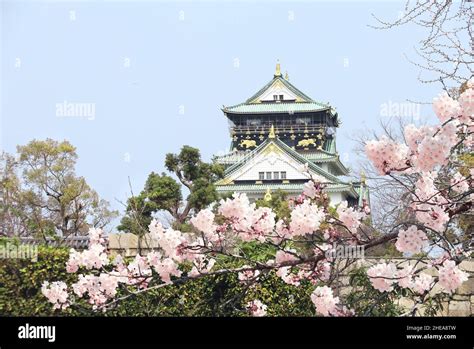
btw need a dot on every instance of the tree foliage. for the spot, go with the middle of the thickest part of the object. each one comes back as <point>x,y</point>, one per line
<point>41,195</point>
<point>164,193</point>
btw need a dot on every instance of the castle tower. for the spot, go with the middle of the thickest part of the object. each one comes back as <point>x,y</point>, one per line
<point>277,135</point>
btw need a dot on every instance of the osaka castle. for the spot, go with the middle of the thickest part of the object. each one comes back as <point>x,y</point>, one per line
<point>280,137</point>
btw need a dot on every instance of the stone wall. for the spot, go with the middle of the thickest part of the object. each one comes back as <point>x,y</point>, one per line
<point>461,304</point>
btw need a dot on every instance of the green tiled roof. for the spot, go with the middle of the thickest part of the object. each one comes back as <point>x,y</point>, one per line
<point>286,83</point>
<point>305,103</point>
<point>231,157</point>
<point>293,153</point>
<point>289,187</point>
<point>327,157</point>
<point>319,156</point>
<point>294,107</point>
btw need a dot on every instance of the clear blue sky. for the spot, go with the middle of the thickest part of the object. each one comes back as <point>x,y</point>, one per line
<point>56,51</point>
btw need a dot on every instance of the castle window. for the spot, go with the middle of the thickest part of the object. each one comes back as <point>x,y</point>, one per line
<point>281,97</point>
<point>276,175</point>
<point>275,97</point>
<point>269,175</point>
<point>283,175</point>
<point>261,176</point>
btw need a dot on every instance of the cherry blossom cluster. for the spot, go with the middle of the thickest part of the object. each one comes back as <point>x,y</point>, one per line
<point>57,294</point>
<point>387,155</point>
<point>93,258</point>
<point>411,240</point>
<point>450,276</point>
<point>350,217</point>
<point>249,275</point>
<point>427,147</point>
<point>428,203</point>
<point>384,276</point>
<point>459,183</point>
<point>422,283</point>
<point>419,284</point>
<point>306,218</point>
<point>98,288</point>
<point>432,147</point>
<point>324,301</point>
<point>249,222</point>
<point>234,219</point>
<point>257,308</point>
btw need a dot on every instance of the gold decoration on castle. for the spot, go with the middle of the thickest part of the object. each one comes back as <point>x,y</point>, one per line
<point>272,132</point>
<point>268,195</point>
<point>307,142</point>
<point>271,148</point>
<point>248,143</point>
<point>278,69</point>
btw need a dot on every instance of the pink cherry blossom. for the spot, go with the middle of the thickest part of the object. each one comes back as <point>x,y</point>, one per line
<point>236,207</point>
<point>99,289</point>
<point>350,217</point>
<point>404,276</point>
<point>283,256</point>
<point>263,222</point>
<point>281,230</point>
<point>56,292</point>
<point>170,240</point>
<point>204,222</point>
<point>309,189</point>
<point>248,275</point>
<point>287,276</point>
<point>201,265</point>
<point>387,155</point>
<point>93,258</point>
<point>414,136</point>
<point>445,107</point>
<point>434,150</point>
<point>432,216</point>
<point>450,276</point>
<point>96,236</point>
<point>306,218</point>
<point>257,308</point>
<point>422,283</point>
<point>411,240</point>
<point>382,276</point>
<point>459,183</point>
<point>139,267</point>
<point>324,300</point>
<point>165,267</point>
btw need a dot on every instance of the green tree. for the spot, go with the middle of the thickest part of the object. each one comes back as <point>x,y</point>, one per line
<point>164,193</point>
<point>13,220</point>
<point>49,199</point>
<point>278,203</point>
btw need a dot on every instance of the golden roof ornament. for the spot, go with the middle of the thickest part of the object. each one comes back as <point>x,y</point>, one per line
<point>287,78</point>
<point>362,177</point>
<point>268,195</point>
<point>278,69</point>
<point>272,132</point>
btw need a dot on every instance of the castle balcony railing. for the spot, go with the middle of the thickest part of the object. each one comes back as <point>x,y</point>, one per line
<point>263,129</point>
